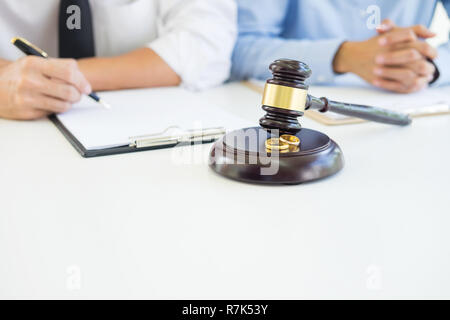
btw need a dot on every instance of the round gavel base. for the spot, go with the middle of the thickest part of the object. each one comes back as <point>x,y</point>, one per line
<point>242,155</point>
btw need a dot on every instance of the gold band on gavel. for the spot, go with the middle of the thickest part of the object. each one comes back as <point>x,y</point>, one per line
<point>284,97</point>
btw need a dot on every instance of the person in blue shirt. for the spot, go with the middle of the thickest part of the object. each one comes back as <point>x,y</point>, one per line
<point>336,37</point>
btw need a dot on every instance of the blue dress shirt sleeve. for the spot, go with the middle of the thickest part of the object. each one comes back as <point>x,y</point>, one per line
<point>260,43</point>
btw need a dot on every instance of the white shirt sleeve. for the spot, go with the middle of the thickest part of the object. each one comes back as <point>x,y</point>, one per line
<point>196,39</point>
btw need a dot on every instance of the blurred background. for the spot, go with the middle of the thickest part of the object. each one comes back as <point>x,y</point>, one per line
<point>440,25</point>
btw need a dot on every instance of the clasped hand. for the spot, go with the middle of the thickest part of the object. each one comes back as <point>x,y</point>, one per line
<point>395,60</point>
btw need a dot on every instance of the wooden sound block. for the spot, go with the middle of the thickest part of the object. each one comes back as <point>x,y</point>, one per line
<point>242,155</point>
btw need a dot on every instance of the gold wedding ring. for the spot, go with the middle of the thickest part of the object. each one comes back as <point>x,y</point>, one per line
<point>290,140</point>
<point>275,144</point>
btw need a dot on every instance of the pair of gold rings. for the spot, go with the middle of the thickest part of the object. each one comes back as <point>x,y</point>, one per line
<point>284,143</point>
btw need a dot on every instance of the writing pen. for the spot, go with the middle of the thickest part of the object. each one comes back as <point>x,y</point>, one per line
<point>31,50</point>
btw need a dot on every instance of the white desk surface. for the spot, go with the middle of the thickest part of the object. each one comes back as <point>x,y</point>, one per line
<point>152,225</point>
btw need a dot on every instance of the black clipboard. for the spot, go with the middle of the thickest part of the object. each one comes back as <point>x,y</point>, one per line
<point>112,151</point>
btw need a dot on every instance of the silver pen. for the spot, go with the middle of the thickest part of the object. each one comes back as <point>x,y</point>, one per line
<point>190,136</point>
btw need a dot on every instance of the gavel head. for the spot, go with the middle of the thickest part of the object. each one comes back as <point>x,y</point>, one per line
<point>285,96</point>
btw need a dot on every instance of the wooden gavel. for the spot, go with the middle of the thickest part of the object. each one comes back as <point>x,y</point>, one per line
<point>286,98</point>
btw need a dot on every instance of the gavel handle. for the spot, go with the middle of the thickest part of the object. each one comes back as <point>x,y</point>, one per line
<point>359,111</point>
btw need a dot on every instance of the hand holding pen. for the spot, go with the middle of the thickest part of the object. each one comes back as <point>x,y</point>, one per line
<point>34,87</point>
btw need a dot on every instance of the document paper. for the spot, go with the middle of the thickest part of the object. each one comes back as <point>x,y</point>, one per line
<point>140,113</point>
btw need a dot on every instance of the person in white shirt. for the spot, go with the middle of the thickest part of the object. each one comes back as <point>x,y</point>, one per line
<point>138,44</point>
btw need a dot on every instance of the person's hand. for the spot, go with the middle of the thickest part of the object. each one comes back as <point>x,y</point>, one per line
<point>3,62</point>
<point>395,70</point>
<point>359,58</point>
<point>396,60</point>
<point>33,87</point>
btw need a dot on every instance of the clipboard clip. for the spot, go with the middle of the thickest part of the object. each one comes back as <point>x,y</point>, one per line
<point>179,137</point>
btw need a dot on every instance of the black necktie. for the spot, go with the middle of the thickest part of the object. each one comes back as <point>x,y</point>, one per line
<point>76,34</point>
